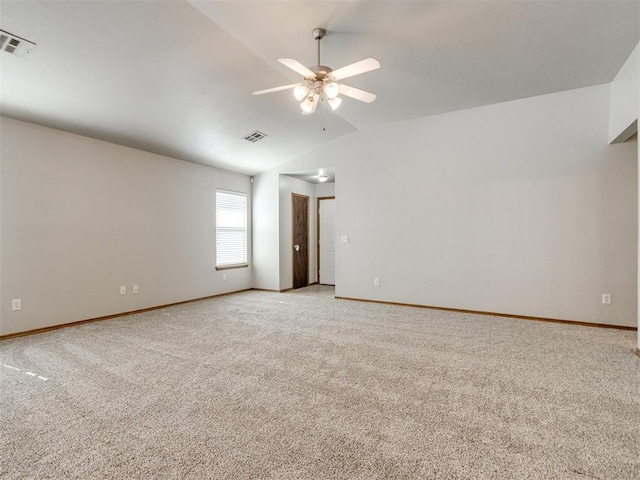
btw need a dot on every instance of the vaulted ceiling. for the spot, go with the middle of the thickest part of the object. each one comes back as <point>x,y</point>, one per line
<point>175,77</point>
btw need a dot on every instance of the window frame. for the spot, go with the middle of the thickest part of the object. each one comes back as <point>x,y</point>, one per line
<point>245,196</point>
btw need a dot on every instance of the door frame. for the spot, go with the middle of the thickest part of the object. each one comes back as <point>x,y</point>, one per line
<point>293,239</point>
<point>333,197</point>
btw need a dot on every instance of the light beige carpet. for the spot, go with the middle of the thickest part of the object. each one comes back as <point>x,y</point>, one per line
<point>299,386</point>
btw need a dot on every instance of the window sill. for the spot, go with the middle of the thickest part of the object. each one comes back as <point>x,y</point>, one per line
<point>231,267</point>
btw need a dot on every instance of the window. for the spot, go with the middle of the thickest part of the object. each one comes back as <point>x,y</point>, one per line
<point>231,229</point>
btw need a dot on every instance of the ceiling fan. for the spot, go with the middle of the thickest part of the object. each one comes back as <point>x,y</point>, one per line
<point>321,81</point>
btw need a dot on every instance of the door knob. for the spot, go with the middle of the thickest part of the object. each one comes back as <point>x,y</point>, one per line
<point>297,248</point>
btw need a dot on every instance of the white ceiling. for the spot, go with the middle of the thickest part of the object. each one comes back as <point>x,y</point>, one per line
<point>175,77</point>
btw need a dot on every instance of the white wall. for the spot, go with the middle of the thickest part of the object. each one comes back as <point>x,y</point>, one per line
<point>288,186</point>
<point>266,231</point>
<point>623,122</point>
<point>81,217</point>
<point>625,98</point>
<point>325,190</point>
<point>520,207</point>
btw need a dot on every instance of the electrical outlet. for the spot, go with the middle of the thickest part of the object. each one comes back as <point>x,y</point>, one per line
<point>376,282</point>
<point>136,288</point>
<point>123,290</point>
<point>606,299</point>
<point>16,304</point>
<point>224,276</point>
<point>344,238</point>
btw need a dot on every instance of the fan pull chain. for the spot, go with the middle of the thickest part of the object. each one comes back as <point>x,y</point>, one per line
<point>324,115</point>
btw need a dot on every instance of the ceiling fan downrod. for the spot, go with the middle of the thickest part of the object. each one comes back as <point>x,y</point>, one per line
<point>318,34</point>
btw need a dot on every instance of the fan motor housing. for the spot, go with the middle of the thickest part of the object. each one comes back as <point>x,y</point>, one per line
<point>321,71</point>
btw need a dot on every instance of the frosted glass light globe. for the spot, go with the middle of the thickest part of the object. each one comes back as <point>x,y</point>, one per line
<point>332,90</point>
<point>300,91</point>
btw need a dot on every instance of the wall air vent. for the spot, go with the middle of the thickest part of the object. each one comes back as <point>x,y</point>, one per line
<point>15,45</point>
<point>255,136</point>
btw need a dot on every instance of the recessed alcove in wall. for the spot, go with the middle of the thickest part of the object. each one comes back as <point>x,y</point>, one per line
<point>307,184</point>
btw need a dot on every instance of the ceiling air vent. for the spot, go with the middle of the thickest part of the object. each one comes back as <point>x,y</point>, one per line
<point>15,45</point>
<point>255,136</point>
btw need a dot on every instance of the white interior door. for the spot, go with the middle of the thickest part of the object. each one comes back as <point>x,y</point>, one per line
<point>327,238</point>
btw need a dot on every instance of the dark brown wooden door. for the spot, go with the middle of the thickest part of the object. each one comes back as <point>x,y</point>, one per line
<point>300,252</point>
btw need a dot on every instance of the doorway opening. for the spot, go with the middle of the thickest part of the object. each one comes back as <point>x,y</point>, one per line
<point>298,225</point>
<point>326,240</point>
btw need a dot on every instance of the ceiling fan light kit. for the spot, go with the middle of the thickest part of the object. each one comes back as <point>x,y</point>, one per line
<point>321,82</point>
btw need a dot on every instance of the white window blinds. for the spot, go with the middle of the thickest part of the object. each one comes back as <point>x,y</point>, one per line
<point>231,228</point>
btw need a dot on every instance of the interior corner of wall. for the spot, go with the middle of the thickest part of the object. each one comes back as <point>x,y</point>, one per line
<point>626,134</point>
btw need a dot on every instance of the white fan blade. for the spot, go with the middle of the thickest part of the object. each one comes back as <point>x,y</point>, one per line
<point>297,67</point>
<point>357,68</point>
<point>358,94</point>
<point>275,89</point>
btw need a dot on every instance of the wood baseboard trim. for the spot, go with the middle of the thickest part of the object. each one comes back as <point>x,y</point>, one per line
<point>116,315</point>
<point>284,290</point>
<point>638,351</point>
<point>159,307</point>
<point>495,314</point>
